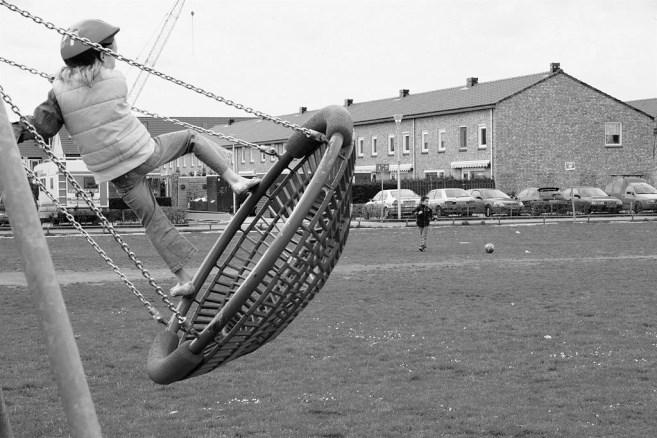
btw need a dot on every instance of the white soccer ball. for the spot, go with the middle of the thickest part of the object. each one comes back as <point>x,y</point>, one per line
<point>489,247</point>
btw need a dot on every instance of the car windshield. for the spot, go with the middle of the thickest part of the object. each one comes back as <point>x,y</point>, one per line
<point>405,193</point>
<point>456,193</point>
<point>592,192</point>
<point>643,188</point>
<point>494,193</point>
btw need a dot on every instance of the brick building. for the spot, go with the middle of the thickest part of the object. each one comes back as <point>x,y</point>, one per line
<point>541,129</point>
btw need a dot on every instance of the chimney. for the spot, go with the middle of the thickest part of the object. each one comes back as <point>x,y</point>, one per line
<point>404,92</point>
<point>555,67</point>
<point>471,82</point>
<point>302,109</point>
<point>348,102</point>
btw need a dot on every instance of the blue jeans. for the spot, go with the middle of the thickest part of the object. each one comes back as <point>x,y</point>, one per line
<point>422,236</point>
<point>133,188</point>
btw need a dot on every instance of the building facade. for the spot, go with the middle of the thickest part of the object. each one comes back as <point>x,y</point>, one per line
<point>541,129</point>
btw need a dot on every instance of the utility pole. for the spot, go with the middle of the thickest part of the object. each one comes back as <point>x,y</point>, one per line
<point>398,144</point>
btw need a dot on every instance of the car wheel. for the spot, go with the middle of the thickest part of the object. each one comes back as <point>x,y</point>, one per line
<point>488,212</point>
<point>637,207</point>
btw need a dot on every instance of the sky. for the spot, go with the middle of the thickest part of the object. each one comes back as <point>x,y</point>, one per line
<point>276,56</point>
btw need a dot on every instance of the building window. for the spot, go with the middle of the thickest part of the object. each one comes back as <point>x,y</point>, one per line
<point>442,140</point>
<point>243,154</point>
<point>613,134</point>
<point>463,138</point>
<point>184,161</point>
<point>263,157</point>
<point>434,174</point>
<point>361,146</point>
<point>375,148</point>
<point>483,137</point>
<point>391,145</point>
<point>406,138</point>
<point>425,142</point>
<point>251,158</point>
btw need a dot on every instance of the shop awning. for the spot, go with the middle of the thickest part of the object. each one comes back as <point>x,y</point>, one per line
<point>470,164</point>
<point>369,168</point>
<point>403,167</point>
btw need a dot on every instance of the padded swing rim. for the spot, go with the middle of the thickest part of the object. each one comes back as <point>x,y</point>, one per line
<point>267,260</point>
<point>168,363</point>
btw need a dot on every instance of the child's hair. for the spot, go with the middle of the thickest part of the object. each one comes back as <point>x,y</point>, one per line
<point>424,198</point>
<point>86,66</point>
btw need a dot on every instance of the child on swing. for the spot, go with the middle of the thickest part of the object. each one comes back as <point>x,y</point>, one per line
<point>89,97</point>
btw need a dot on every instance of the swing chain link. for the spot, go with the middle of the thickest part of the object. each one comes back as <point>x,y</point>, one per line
<point>309,133</point>
<point>104,221</point>
<point>34,71</point>
<point>264,149</point>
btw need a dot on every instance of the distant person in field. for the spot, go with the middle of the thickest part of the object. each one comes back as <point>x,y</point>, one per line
<point>89,97</point>
<point>423,216</point>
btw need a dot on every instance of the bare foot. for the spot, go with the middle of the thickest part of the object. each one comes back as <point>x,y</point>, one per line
<point>245,185</point>
<point>182,289</point>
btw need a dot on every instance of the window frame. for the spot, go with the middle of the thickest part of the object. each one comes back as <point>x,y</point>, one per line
<point>406,143</point>
<point>391,144</point>
<point>442,140</point>
<point>463,138</point>
<point>620,135</point>
<point>425,142</point>
<point>374,146</point>
<point>482,128</point>
<point>360,147</point>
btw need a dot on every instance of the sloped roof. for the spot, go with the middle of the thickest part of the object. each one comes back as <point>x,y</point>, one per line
<point>481,95</point>
<point>646,105</point>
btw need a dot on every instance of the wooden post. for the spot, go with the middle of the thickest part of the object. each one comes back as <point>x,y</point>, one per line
<point>63,353</point>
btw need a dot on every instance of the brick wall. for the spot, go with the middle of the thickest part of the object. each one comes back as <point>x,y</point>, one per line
<point>433,159</point>
<point>560,120</point>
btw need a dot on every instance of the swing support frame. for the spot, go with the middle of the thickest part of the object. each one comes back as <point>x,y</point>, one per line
<point>65,362</point>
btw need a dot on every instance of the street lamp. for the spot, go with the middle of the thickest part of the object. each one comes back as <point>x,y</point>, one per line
<point>398,119</point>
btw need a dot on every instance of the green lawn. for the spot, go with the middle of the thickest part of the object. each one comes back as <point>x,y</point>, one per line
<point>552,335</point>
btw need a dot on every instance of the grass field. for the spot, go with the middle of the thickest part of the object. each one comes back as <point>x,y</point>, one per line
<point>552,335</point>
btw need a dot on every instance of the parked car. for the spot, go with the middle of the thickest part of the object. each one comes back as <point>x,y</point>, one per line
<point>635,193</point>
<point>384,204</point>
<point>444,202</point>
<point>589,199</point>
<point>495,201</point>
<point>543,200</point>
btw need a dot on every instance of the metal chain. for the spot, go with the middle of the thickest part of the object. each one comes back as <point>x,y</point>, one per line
<point>104,221</point>
<point>305,131</point>
<point>151,309</point>
<point>263,149</point>
<point>34,71</point>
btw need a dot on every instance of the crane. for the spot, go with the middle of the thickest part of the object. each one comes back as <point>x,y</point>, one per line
<point>155,52</point>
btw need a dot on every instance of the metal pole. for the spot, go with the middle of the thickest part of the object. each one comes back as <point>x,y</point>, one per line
<point>398,119</point>
<point>5,426</point>
<point>63,353</point>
